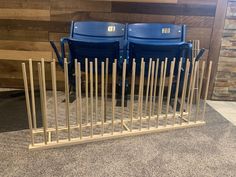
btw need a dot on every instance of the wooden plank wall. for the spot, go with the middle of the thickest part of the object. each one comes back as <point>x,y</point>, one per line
<point>27,26</point>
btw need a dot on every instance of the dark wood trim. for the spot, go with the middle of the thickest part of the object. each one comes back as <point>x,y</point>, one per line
<point>215,43</point>
<point>164,9</point>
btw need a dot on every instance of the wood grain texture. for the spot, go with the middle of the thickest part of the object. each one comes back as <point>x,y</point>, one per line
<point>215,43</point>
<point>27,26</point>
<point>164,9</point>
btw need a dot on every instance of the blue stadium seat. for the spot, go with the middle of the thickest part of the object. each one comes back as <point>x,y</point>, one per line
<point>151,40</point>
<point>90,35</point>
<point>92,40</point>
<point>157,41</point>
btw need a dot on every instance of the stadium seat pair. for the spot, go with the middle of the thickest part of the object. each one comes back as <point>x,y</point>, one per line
<point>103,40</point>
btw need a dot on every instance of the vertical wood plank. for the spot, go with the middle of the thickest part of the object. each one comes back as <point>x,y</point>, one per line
<point>113,94</point>
<point>91,97</point>
<point>200,90</point>
<point>106,86</point>
<point>86,89</point>
<point>159,94</point>
<point>184,90</point>
<point>123,94</point>
<point>148,83</point>
<point>96,89</point>
<point>206,90</point>
<point>80,99</point>
<point>76,93</point>
<point>42,101</point>
<point>151,96</point>
<point>141,93</point>
<point>155,86</point>
<point>28,103</point>
<point>169,89</point>
<point>102,95</point>
<point>44,91</point>
<point>163,85</point>
<point>54,93</point>
<point>177,91</point>
<point>132,95</point>
<point>192,91</point>
<point>32,94</point>
<point>67,99</point>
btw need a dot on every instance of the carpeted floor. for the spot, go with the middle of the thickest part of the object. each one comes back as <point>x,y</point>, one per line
<point>204,151</point>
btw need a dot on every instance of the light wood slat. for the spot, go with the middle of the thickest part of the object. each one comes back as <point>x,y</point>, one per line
<point>80,100</point>
<point>151,92</point>
<point>141,93</point>
<point>132,94</point>
<point>67,101</point>
<point>28,103</point>
<point>102,95</point>
<point>186,76</point>
<point>177,90</point>
<point>25,55</point>
<point>200,90</point>
<point>148,83</point>
<point>96,89</point>
<point>192,91</point>
<point>91,97</point>
<point>206,90</point>
<point>54,93</point>
<point>155,85</point>
<point>159,94</point>
<point>25,14</point>
<point>106,86</point>
<point>169,89</point>
<point>123,94</point>
<point>113,95</point>
<point>32,94</point>
<point>86,89</point>
<point>44,91</point>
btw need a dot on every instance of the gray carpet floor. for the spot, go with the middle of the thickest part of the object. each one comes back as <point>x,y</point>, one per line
<point>209,150</point>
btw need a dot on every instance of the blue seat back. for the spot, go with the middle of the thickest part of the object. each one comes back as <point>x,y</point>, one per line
<point>99,32</point>
<point>154,33</point>
<point>91,50</point>
<point>161,51</point>
<point>152,40</point>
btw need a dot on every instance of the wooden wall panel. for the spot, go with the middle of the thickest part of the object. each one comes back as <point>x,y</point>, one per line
<point>23,4</point>
<point>165,9</point>
<point>25,14</point>
<point>27,26</point>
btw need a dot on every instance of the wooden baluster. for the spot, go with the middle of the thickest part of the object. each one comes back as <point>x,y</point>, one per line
<point>148,83</point>
<point>86,89</point>
<point>113,94</point>
<point>159,94</point>
<point>200,90</point>
<point>91,97</point>
<point>206,90</point>
<point>184,90</point>
<point>141,93</point>
<point>32,94</point>
<point>155,86</point>
<point>67,95</point>
<point>123,94</point>
<point>151,91</point>
<point>28,103</point>
<point>177,91</point>
<point>169,89</point>
<point>54,93</point>
<point>80,99</point>
<point>103,105</point>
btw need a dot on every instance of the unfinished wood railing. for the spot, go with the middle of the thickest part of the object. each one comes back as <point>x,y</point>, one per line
<point>155,103</point>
